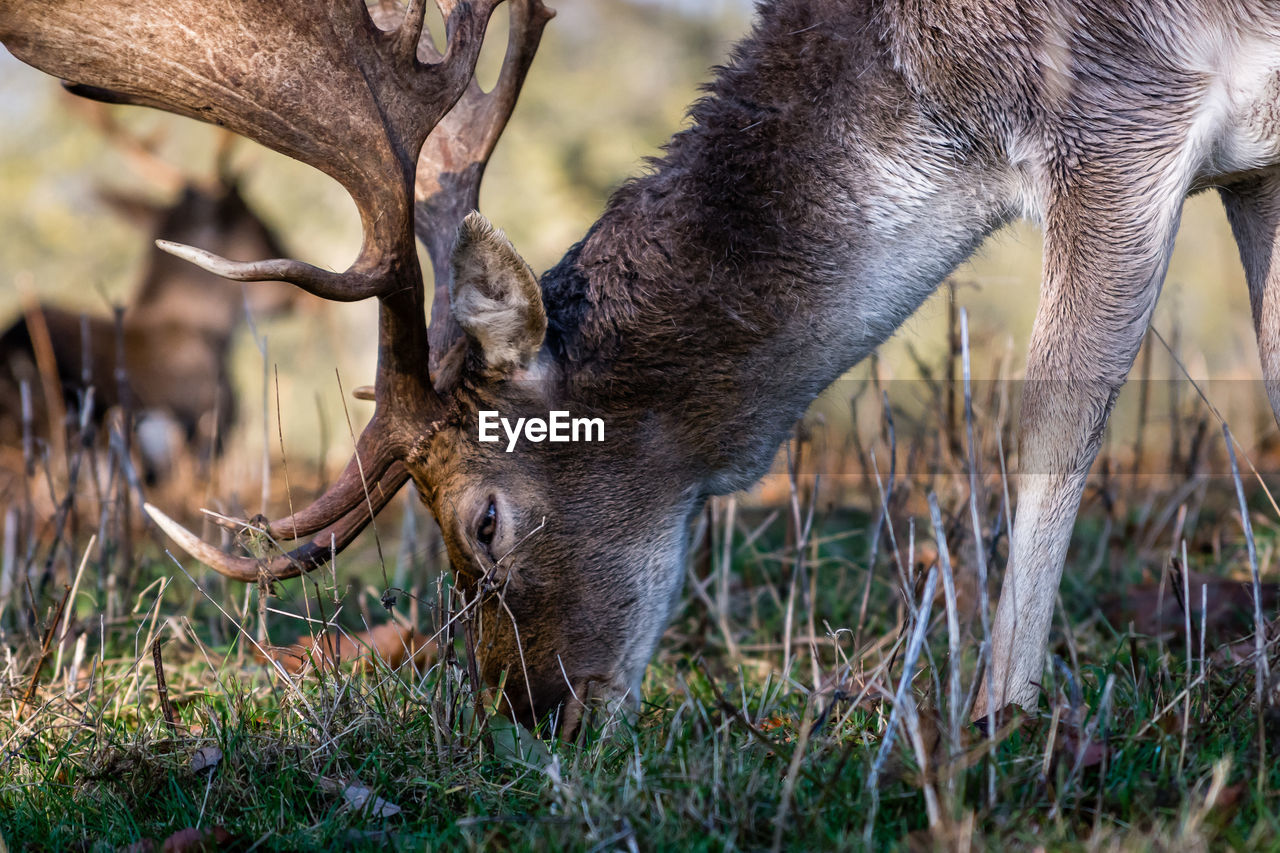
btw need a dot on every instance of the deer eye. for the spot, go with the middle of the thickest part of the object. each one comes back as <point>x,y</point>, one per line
<point>488,526</point>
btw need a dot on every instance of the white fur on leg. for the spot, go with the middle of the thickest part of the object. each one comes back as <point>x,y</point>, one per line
<point>1041,534</point>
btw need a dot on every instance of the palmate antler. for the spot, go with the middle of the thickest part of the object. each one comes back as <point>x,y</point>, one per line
<point>323,83</point>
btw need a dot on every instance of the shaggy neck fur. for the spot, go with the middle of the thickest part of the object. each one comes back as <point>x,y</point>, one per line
<point>779,240</point>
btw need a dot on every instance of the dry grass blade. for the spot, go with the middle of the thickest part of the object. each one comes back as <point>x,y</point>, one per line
<point>914,647</point>
<point>1186,611</point>
<point>955,705</point>
<point>984,603</point>
<point>1261,665</point>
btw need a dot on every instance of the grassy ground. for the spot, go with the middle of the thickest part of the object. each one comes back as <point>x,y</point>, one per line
<point>746,739</point>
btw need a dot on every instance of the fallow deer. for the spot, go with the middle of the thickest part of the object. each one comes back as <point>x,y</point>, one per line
<point>847,157</point>
<point>176,331</point>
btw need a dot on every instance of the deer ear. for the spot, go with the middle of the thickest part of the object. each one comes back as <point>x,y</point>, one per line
<point>495,297</point>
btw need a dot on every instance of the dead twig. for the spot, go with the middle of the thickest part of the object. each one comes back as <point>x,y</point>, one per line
<point>44,651</point>
<point>162,688</point>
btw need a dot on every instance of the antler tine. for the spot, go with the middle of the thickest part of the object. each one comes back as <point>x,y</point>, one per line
<point>453,159</point>
<point>371,479</point>
<point>451,164</point>
<point>410,30</point>
<point>332,538</point>
<point>339,287</point>
<point>456,67</point>
<point>368,472</point>
<point>389,15</point>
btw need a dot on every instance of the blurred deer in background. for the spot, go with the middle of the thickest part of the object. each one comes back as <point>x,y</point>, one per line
<point>176,331</point>
<point>847,158</point>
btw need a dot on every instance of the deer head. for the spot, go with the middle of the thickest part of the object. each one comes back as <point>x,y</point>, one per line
<point>360,95</point>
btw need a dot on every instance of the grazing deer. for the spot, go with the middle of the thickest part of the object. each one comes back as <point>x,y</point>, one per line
<point>850,154</point>
<point>176,332</point>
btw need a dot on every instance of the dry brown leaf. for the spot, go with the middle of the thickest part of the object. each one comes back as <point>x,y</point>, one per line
<point>1075,745</point>
<point>205,758</point>
<point>1228,802</point>
<point>389,643</point>
<point>191,840</point>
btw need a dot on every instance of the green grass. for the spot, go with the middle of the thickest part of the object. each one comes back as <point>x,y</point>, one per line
<point>722,754</point>
<point>743,741</point>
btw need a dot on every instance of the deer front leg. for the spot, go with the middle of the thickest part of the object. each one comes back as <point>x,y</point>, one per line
<point>1104,261</point>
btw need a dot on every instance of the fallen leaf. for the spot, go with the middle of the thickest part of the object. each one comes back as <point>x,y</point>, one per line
<point>191,840</point>
<point>186,841</point>
<point>1092,754</point>
<point>390,643</point>
<point>1076,746</point>
<point>774,722</point>
<point>1170,722</point>
<point>1231,796</point>
<point>205,758</point>
<point>514,742</point>
<point>360,798</point>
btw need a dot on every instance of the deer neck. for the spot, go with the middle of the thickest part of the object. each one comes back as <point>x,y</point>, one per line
<point>803,217</point>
